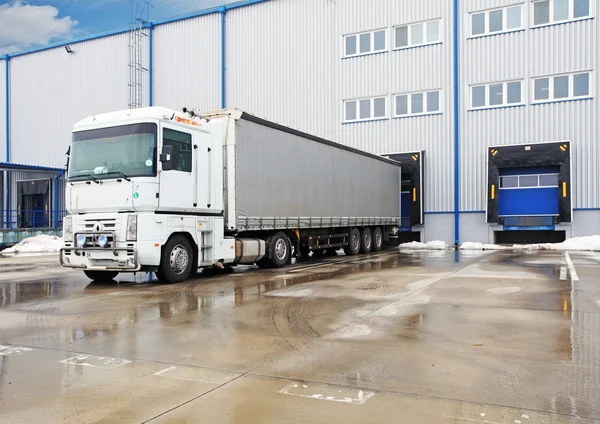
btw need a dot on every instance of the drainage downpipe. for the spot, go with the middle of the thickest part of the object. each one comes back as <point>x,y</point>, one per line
<point>223,12</point>
<point>456,126</point>
<point>7,128</point>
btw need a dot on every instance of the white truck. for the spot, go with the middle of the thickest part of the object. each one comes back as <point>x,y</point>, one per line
<point>158,190</point>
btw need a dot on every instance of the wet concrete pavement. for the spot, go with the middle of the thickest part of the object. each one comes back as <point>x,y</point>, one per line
<point>422,337</point>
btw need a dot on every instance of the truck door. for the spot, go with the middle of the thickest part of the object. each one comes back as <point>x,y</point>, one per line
<point>176,184</point>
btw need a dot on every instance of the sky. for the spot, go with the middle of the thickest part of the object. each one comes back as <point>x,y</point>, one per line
<point>27,24</point>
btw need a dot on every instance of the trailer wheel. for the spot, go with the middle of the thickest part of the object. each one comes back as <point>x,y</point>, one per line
<point>281,250</point>
<point>177,260</point>
<point>366,240</point>
<point>101,276</point>
<point>377,239</point>
<point>353,243</point>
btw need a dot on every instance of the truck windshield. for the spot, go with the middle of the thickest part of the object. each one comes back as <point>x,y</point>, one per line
<point>114,152</point>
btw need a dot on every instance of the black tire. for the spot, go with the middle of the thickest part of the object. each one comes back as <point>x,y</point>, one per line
<point>377,239</point>
<point>177,261</point>
<point>101,276</point>
<point>280,250</point>
<point>366,240</point>
<point>354,243</point>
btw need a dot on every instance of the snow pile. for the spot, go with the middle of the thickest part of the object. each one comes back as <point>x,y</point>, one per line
<point>431,245</point>
<point>469,245</point>
<point>37,244</point>
<point>589,243</point>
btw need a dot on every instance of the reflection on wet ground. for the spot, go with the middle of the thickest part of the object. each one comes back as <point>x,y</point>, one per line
<point>448,336</point>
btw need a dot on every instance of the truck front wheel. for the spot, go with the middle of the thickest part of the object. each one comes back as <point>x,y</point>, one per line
<point>101,276</point>
<point>177,261</point>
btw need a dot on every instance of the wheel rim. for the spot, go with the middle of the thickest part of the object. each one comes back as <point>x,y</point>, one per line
<point>367,240</point>
<point>355,241</point>
<point>378,239</point>
<point>280,249</point>
<point>179,260</point>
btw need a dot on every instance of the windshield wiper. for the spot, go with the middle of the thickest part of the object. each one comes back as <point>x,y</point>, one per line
<point>91,177</point>
<point>125,177</point>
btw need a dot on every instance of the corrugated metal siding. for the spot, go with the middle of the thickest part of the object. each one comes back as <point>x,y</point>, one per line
<point>286,69</point>
<point>306,78</point>
<point>52,89</point>
<point>187,63</point>
<point>524,55</point>
<point>2,110</point>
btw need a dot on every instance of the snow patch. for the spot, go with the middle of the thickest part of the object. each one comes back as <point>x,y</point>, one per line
<point>37,244</point>
<point>431,245</point>
<point>588,243</point>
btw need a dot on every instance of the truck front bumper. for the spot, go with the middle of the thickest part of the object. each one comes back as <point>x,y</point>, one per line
<point>100,259</point>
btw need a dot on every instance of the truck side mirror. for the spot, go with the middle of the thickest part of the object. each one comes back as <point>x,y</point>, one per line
<point>165,158</point>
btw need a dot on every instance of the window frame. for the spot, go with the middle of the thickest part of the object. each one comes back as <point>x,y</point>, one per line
<point>504,30</point>
<point>552,21</point>
<point>191,146</point>
<point>372,117</point>
<point>409,25</point>
<point>504,103</point>
<point>425,112</point>
<point>372,50</point>
<point>570,98</point>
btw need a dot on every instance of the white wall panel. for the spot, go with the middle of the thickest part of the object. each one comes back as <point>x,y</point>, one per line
<point>282,61</point>
<point>52,89</point>
<point>2,110</point>
<point>187,63</point>
<point>301,79</point>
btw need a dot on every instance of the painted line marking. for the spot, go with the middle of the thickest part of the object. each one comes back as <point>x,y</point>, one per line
<point>102,362</point>
<point>13,350</point>
<point>563,272</point>
<point>353,397</point>
<point>472,419</point>
<point>164,371</point>
<point>196,374</point>
<point>571,267</point>
<point>329,263</point>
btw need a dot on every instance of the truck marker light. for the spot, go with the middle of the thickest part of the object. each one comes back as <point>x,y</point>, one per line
<point>493,191</point>
<point>156,244</point>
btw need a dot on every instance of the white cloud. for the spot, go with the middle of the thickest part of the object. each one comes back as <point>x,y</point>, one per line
<point>23,26</point>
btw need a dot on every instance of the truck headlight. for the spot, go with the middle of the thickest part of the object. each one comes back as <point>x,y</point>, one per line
<point>132,227</point>
<point>68,228</point>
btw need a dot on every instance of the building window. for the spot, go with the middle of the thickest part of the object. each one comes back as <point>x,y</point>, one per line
<point>414,104</point>
<point>365,109</point>
<point>547,12</point>
<point>498,94</point>
<point>365,43</point>
<point>562,87</point>
<point>418,34</point>
<point>529,181</point>
<point>182,149</point>
<point>496,21</point>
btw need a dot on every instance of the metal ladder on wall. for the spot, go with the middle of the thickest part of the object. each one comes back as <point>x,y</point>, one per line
<point>138,18</point>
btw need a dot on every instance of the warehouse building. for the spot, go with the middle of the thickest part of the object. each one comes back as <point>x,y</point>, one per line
<point>491,106</point>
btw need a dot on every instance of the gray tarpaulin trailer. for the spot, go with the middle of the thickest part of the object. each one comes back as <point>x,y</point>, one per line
<point>280,178</point>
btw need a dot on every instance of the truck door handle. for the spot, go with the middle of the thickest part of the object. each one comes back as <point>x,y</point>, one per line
<point>209,179</point>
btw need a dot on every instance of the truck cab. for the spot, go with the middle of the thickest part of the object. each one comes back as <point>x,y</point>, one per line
<point>144,191</point>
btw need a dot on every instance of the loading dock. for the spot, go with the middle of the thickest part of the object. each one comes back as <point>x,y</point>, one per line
<point>529,189</point>
<point>412,192</point>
